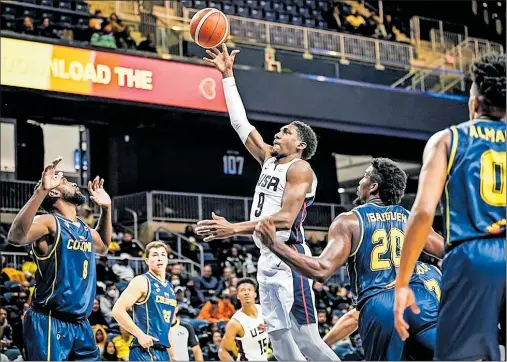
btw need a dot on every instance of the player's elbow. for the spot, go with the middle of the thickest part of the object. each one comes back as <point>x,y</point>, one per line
<point>15,237</point>
<point>324,272</point>
<point>284,221</point>
<point>116,312</point>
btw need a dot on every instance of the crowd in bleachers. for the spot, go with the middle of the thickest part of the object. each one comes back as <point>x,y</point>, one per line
<point>206,301</point>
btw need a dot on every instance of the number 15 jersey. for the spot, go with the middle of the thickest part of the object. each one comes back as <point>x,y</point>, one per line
<point>474,195</point>
<point>268,201</point>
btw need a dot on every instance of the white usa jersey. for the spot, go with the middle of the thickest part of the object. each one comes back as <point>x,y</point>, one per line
<point>253,346</point>
<point>268,201</point>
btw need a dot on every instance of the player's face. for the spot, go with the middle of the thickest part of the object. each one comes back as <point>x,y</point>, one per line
<point>246,294</point>
<point>69,191</point>
<point>287,142</point>
<point>157,260</point>
<point>364,188</point>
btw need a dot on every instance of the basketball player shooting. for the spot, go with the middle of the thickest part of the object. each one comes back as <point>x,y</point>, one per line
<point>56,326</point>
<point>285,189</point>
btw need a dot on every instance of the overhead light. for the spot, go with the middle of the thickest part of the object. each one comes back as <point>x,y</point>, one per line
<point>341,190</point>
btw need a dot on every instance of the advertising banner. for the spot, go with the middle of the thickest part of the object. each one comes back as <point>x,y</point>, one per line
<point>96,73</point>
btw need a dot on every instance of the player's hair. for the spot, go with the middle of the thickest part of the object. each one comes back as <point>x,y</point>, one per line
<point>308,136</point>
<point>49,202</point>
<point>154,245</point>
<point>246,281</point>
<point>488,74</point>
<point>391,180</point>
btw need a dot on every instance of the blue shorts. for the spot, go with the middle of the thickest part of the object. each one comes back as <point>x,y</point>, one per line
<point>303,308</point>
<point>151,354</point>
<point>473,292</point>
<point>49,339</point>
<point>381,341</point>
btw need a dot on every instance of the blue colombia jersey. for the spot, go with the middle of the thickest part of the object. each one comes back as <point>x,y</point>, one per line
<point>431,276</point>
<point>65,281</point>
<point>474,196</point>
<point>154,314</point>
<point>373,265</point>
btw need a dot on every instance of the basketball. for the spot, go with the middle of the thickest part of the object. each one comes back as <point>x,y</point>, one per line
<point>209,28</point>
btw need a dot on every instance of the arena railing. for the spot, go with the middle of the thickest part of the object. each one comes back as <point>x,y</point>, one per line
<point>16,259</point>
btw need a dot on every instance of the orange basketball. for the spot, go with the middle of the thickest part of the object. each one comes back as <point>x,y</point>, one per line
<point>209,28</point>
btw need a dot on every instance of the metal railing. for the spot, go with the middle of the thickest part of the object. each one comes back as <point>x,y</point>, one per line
<point>192,207</point>
<point>438,34</point>
<point>315,41</point>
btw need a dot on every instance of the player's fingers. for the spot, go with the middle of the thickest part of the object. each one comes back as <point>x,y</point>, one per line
<point>56,161</point>
<point>205,223</point>
<point>233,53</point>
<point>154,338</point>
<point>208,60</point>
<point>415,308</point>
<point>90,186</point>
<point>217,52</point>
<point>211,54</point>
<point>96,181</point>
<point>224,49</point>
<point>209,238</point>
<point>59,176</point>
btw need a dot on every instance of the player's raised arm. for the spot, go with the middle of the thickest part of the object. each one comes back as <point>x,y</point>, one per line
<point>431,184</point>
<point>26,228</point>
<point>345,326</point>
<point>103,231</point>
<point>319,268</point>
<point>251,138</point>
<point>135,292</point>
<point>232,330</point>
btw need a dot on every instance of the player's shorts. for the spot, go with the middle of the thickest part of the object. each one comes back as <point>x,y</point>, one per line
<point>473,290</point>
<point>281,292</point>
<point>49,339</point>
<point>381,341</point>
<point>151,354</point>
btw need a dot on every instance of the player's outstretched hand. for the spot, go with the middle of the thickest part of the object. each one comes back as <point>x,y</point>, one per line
<point>50,179</point>
<point>404,297</point>
<point>223,61</point>
<point>266,231</point>
<point>217,228</point>
<point>146,341</point>
<point>97,193</point>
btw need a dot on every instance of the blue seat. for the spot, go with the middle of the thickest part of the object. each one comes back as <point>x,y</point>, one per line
<point>8,297</point>
<point>30,12</point>
<point>264,4</point>
<point>275,5</point>
<point>297,20</point>
<point>82,8</point>
<point>228,9</point>
<point>283,18</point>
<point>323,6</point>
<point>209,257</point>
<point>305,11</point>
<point>309,22</point>
<point>255,13</point>
<point>199,4</point>
<point>9,12</point>
<point>242,10</point>
<point>12,354</point>
<point>250,3</point>
<point>269,15</point>
<point>12,286</point>
<point>110,336</point>
<point>215,5</point>
<point>65,5</point>
<point>290,9</point>
<point>47,3</point>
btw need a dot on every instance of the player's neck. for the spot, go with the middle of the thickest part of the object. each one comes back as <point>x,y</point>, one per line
<point>374,200</point>
<point>249,310</point>
<point>68,211</point>
<point>287,159</point>
<point>158,276</point>
<point>493,115</point>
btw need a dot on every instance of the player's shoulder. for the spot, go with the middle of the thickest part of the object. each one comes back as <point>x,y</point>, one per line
<point>300,168</point>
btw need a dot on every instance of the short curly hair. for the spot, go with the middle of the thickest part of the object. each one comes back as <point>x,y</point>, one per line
<point>308,136</point>
<point>488,74</point>
<point>391,180</point>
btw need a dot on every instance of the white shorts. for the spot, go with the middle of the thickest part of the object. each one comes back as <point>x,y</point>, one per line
<point>283,292</point>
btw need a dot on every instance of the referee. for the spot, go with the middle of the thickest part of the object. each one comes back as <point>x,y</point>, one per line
<point>182,337</point>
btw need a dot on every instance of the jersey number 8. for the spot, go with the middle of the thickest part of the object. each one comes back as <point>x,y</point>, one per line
<point>493,176</point>
<point>85,269</point>
<point>167,316</point>
<point>394,239</point>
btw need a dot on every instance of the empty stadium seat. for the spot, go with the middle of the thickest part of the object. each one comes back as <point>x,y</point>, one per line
<point>48,15</point>
<point>64,21</point>
<point>297,20</point>
<point>8,24</point>
<point>255,13</point>
<point>305,11</point>
<point>242,10</point>
<point>30,12</point>
<point>82,8</point>
<point>9,12</point>
<point>275,5</point>
<point>65,5</point>
<point>283,18</point>
<point>250,3</point>
<point>263,4</point>
<point>309,22</point>
<point>228,9</point>
<point>199,4</point>
<point>290,9</point>
<point>47,3</point>
<point>215,5</point>
<point>269,15</point>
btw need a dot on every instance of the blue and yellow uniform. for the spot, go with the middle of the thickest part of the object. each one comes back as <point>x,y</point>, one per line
<point>372,267</point>
<point>474,225</point>
<point>154,316</point>
<point>56,326</point>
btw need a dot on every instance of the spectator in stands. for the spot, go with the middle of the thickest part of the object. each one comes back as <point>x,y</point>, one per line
<point>123,270</point>
<point>336,19</point>
<point>130,246</point>
<point>12,274</point>
<point>388,26</point>
<point>105,38</point>
<point>47,30</point>
<point>323,296</point>
<point>104,272</point>
<point>233,296</point>
<point>110,353</point>
<point>206,284</point>
<point>225,280</point>
<point>147,46</point>
<point>234,261</point>
<point>355,22</point>
<point>122,343</point>
<point>96,317</point>
<point>107,301</point>
<point>121,32</point>
<point>216,310</point>
<point>100,337</point>
<point>98,20</point>
<point>193,295</point>
<point>27,27</point>
<point>211,350</point>
<point>5,331</point>
<point>29,265</point>
<point>324,328</point>
<point>176,271</point>
<point>184,306</point>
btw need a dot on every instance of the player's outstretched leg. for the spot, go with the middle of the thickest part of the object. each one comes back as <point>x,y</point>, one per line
<point>284,346</point>
<point>310,343</point>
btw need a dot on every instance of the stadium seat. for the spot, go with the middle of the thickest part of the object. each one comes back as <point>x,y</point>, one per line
<point>275,5</point>
<point>199,4</point>
<point>297,20</point>
<point>309,3</point>
<point>9,12</point>
<point>321,24</point>
<point>47,3</point>
<point>48,15</point>
<point>309,22</point>
<point>255,13</point>
<point>31,13</point>
<point>187,3</point>
<point>283,18</point>
<point>305,11</point>
<point>263,4</point>
<point>251,3</point>
<point>323,6</point>
<point>242,10</point>
<point>228,9</point>
<point>82,8</point>
<point>215,5</point>
<point>12,286</point>
<point>110,336</point>
<point>8,297</point>
<point>65,5</point>
<point>290,9</point>
<point>269,15</point>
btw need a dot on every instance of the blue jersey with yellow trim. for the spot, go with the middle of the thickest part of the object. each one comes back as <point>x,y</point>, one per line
<point>65,281</point>
<point>373,265</point>
<point>154,314</point>
<point>431,276</point>
<point>475,193</point>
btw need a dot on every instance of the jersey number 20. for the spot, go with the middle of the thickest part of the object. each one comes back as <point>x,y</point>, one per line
<point>493,176</point>
<point>384,241</point>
